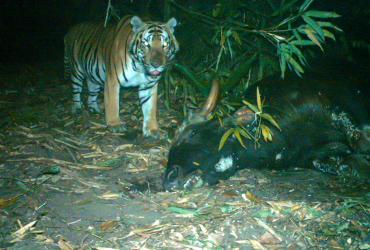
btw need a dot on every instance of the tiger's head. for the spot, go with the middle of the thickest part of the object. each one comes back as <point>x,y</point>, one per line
<point>153,45</point>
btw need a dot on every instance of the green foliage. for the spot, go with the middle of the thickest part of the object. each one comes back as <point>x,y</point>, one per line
<point>258,129</point>
<point>244,42</point>
<point>239,30</point>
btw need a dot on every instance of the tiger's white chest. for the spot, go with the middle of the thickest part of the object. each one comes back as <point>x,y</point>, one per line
<point>133,78</point>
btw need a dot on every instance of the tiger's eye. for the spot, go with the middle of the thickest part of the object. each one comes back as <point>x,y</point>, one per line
<point>165,44</point>
<point>146,43</point>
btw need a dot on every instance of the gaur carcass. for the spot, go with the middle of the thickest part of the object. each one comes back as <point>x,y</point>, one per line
<point>314,134</point>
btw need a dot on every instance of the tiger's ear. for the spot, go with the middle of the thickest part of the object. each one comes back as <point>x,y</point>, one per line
<point>136,23</point>
<point>172,23</point>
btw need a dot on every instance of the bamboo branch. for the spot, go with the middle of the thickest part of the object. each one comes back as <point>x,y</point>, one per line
<point>107,13</point>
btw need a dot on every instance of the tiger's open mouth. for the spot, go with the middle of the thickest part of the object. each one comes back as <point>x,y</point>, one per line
<point>155,73</point>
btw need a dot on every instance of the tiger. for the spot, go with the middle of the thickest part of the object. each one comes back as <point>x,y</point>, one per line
<point>131,53</point>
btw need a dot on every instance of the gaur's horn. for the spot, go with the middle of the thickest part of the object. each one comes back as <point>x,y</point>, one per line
<point>207,108</point>
<point>211,102</point>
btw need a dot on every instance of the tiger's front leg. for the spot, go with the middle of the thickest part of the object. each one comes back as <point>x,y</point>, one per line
<point>148,100</point>
<point>111,103</point>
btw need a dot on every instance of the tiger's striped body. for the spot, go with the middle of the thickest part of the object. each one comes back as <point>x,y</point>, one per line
<point>129,54</point>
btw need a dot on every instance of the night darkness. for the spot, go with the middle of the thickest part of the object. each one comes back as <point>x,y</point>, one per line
<point>34,30</point>
<point>96,128</point>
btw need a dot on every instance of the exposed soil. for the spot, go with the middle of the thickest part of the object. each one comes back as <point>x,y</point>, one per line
<point>66,182</point>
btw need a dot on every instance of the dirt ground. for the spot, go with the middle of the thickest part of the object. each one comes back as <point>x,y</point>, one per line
<point>68,183</point>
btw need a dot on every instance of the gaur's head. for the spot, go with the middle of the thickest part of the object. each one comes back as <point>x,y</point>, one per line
<point>189,149</point>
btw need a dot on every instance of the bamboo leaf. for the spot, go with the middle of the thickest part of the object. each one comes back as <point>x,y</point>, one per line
<point>236,37</point>
<point>282,65</point>
<point>329,25</point>
<point>305,5</point>
<point>321,14</point>
<point>220,121</point>
<point>299,54</point>
<point>224,138</point>
<point>266,133</point>
<point>313,38</point>
<point>251,106</point>
<point>277,37</point>
<point>314,26</point>
<point>259,103</point>
<point>296,34</point>
<point>329,34</point>
<point>270,119</point>
<point>245,134</point>
<point>297,68</point>
<point>302,42</point>
<point>237,135</point>
<point>282,62</point>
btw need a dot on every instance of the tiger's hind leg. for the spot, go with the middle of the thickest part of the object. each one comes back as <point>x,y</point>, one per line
<point>92,101</point>
<point>77,84</point>
<point>76,77</point>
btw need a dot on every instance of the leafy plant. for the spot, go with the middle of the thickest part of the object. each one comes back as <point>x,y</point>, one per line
<point>253,130</point>
<point>244,42</point>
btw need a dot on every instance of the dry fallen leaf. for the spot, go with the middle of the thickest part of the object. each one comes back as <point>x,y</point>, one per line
<point>251,197</point>
<point>123,147</point>
<point>108,225</point>
<point>230,194</point>
<point>19,234</point>
<point>64,244</point>
<point>8,202</point>
<point>296,207</point>
<point>203,229</point>
<point>109,196</point>
<point>268,239</point>
<point>183,200</point>
<point>44,239</point>
<point>256,245</point>
<point>106,248</point>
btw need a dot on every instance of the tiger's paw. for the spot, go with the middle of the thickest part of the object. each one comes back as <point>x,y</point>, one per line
<point>117,129</point>
<point>158,134</point>
<point>94,109</point>
<point>77,109</point>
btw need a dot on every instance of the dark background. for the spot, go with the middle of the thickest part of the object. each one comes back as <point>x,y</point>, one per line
<point>33,30</point>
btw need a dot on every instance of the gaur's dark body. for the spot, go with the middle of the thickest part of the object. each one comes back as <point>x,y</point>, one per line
<point>313,131</point>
